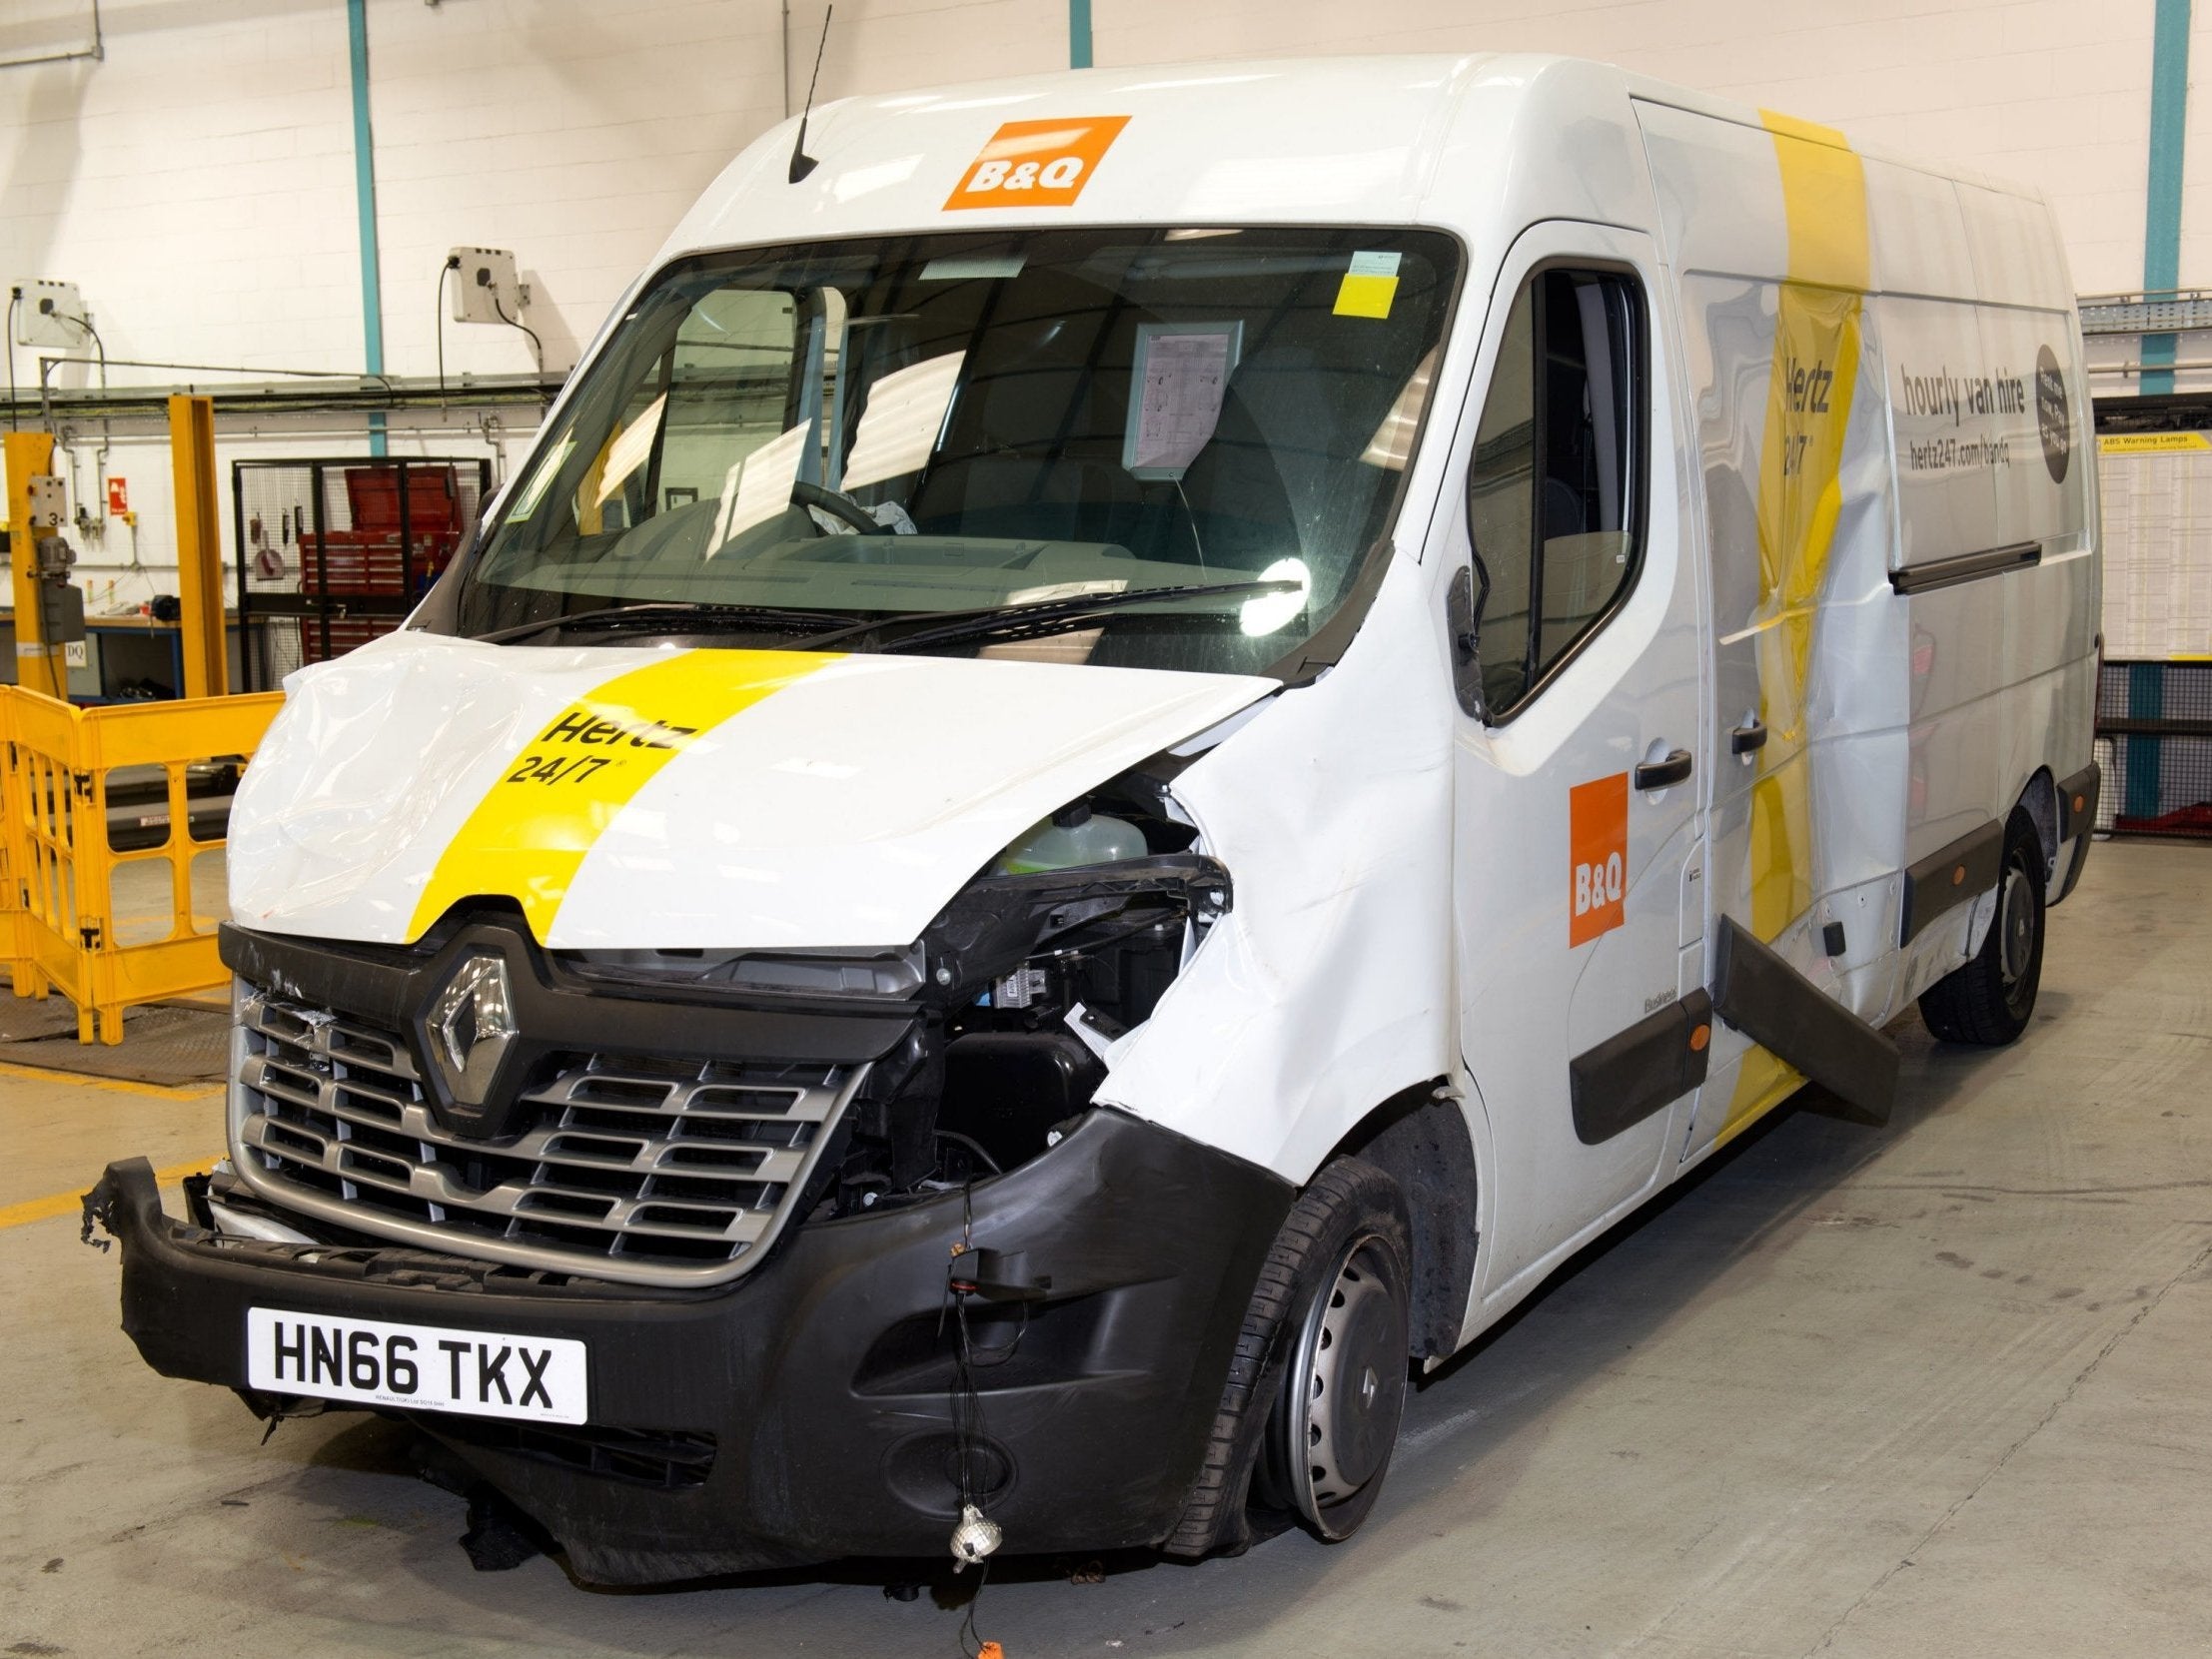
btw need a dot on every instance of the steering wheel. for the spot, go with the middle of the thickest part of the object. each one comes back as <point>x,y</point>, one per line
<point>839,506</point>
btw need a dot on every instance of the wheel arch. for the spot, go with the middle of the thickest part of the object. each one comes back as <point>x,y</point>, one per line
<point>1419,1137</point>
<point>2039,800</point>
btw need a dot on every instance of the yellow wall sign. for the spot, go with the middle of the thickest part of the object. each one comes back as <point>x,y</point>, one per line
<point>2151,444</point>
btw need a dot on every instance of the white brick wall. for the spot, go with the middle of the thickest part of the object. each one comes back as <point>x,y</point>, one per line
<point>199,183</point>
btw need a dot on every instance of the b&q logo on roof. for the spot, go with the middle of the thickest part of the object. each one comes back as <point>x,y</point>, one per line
<point>1037,164</point>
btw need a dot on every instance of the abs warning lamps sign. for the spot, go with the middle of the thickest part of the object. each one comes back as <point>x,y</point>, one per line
<point>1037,164</point>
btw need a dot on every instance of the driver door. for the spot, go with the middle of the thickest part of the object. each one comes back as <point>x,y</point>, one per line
<point>1579,756</point>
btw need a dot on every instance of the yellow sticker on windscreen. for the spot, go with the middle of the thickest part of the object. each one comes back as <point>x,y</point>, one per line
<point>1370,286</point>
<point>1037,164</point>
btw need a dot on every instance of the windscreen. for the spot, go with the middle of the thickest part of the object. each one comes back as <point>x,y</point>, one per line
<point>966,424</point>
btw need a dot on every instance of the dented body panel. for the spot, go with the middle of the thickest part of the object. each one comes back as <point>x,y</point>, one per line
<point>840,805</point>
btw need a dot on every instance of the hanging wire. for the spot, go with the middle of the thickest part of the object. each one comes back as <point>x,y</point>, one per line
<point>966,1404</point>
<point>967,1413</point>
<point>971,1642</point>
<point>99,345</point>
<point>536,346</point>
<point>15,420</point>
<point>445,271</point>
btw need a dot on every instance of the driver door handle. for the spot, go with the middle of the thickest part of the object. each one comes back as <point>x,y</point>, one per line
<point>1744,739</point>
<point>1660,774</point>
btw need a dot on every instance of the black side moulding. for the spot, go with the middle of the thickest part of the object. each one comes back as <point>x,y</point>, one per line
<point>1763,995</point>
<point>1639,1071</point>
<point>1948,877</point>
<point>2075,824</point>
<point>2083,787</point>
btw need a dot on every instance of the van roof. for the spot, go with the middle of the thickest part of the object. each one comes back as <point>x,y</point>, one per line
<point>1354,140</point>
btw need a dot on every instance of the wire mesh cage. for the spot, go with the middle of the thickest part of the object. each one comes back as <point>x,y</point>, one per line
<point>2154,743</point>
<point>334,552</point>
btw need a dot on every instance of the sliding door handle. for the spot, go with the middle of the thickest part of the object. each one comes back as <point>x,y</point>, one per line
<point>1662,774</point>
<point>1748,737</point>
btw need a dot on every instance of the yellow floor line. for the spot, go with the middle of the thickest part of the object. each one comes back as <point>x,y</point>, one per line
<point>113,1085</point>
<point>70,1204</point>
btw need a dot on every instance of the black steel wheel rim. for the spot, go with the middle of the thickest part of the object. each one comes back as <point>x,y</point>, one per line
<point>2019,927</point>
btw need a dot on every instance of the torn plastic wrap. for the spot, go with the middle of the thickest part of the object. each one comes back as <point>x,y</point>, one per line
<point>840,803</point>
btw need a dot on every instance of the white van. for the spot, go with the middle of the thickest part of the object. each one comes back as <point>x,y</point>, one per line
<point>1135,744</point>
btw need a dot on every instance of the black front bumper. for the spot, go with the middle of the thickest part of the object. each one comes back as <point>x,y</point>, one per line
<point>810,1400</point>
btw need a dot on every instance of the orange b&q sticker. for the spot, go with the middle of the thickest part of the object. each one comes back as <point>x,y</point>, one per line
<point>1598,849</point>
<point>1037,164</point>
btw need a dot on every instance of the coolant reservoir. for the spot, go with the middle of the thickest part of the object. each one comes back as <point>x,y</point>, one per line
<point>1070,838</point>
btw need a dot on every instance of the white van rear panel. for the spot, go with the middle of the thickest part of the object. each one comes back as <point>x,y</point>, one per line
<point>1902,716</point>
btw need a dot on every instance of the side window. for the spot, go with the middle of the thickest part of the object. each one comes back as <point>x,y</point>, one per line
<point>1553,488</point>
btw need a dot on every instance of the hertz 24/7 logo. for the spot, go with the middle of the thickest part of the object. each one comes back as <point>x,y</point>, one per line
<point>1037,164</point>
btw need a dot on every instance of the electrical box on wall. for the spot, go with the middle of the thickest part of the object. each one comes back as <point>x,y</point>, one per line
<point>485,285</point>
<point>49,498</point>
<point>46,312</point>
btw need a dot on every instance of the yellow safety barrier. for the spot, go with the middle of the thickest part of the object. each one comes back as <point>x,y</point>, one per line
<point>111,845</point>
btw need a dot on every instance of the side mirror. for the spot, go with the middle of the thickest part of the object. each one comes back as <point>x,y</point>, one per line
<point>1463,616</point>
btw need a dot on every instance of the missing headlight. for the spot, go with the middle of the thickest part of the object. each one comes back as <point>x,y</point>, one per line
<point>888,974</point>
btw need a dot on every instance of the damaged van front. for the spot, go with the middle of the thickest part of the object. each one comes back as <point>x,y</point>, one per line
<point>786,1004</point>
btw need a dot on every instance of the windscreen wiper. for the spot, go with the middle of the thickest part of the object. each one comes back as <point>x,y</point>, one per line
<point>667,616</point>
<point>1024,621</point>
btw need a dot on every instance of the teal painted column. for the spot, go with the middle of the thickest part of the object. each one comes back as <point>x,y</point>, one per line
<point>2162,207</point>
<point>364,207</point>
<point>2146,700</point>
<point>1079,34</point>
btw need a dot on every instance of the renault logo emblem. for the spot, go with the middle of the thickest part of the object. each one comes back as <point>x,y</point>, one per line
<point>471,1027</point>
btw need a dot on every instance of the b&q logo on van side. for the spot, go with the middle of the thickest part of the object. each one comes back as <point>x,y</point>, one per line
<point>1598,850</point>
<point>1037,164</point>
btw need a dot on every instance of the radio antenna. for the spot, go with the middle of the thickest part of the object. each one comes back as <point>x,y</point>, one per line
<point>802,163</point>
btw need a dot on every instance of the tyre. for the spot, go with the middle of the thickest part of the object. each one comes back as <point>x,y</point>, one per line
<point>1309,1415</point>
<point>1990,1000</point>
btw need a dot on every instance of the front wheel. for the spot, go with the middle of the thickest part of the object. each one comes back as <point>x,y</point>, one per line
<point>1309,1410</point>
<point>1334,1423</point>
<point>1990,1000</point>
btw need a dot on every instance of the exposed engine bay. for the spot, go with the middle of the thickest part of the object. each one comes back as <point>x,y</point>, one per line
<point>1025,980</point>
<point>1020,986</point>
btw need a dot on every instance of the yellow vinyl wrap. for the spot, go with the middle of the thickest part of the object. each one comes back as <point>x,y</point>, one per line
<point>554,798</point>
<point>1808,408</point>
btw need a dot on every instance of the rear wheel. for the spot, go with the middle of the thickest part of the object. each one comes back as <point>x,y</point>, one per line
<point>1990,1000</point>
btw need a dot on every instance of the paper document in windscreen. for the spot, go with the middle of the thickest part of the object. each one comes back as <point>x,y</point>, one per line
<point>1181,376</point>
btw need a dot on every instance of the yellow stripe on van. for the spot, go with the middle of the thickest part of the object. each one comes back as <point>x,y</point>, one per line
<point>1800,496</point>
<point>554,799</point>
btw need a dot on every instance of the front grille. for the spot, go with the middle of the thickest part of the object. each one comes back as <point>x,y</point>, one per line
<point>631,1167</point>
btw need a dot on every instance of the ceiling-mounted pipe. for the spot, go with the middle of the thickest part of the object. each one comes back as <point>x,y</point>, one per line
<point>97,51</point>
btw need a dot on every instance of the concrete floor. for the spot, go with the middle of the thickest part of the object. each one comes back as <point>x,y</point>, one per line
<point>1934,1390</point>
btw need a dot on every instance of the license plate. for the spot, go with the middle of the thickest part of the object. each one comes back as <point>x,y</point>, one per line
<point>479,1373</point>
